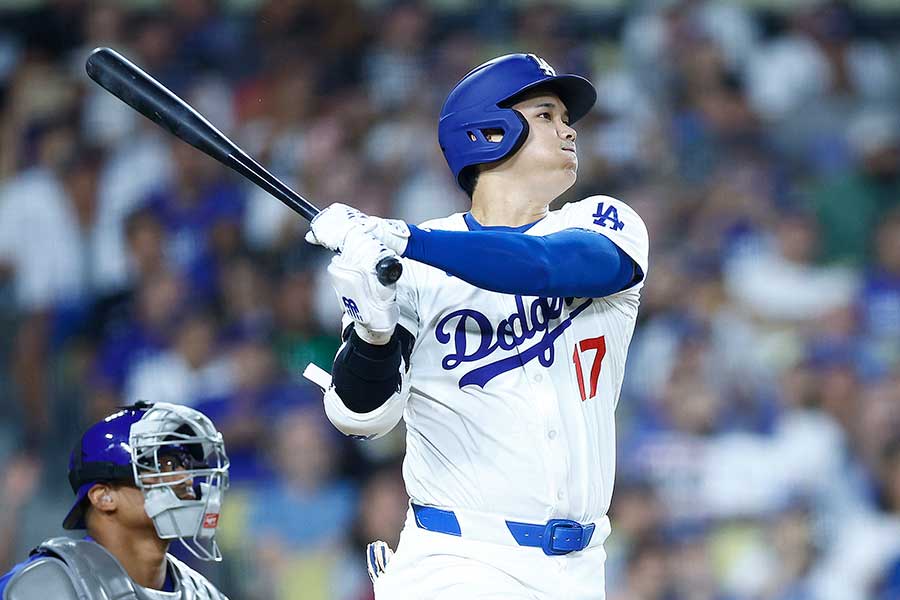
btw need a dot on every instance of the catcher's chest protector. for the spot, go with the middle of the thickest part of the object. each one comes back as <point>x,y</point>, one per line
<point>101,577</point>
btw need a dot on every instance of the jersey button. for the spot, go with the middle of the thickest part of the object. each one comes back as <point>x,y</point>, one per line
<point>538,378</point>
<point>551,434</point>
<point>560,495</point>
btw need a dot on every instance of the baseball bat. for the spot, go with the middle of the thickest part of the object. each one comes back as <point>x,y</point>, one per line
<point>129,83</point>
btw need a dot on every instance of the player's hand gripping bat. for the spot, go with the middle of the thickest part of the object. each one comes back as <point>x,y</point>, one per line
<point>140,91</point>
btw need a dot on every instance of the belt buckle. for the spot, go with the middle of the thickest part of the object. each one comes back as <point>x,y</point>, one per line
<point>574,531</point>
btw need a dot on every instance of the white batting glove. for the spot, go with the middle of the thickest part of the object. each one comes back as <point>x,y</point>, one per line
<point>371,305</point>
<point>330,227</point>
<point>378,554</point>
<point>393,233</point>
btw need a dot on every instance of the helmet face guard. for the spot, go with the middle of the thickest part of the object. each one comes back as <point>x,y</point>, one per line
<point>482,99</point>
<point>179,464</point>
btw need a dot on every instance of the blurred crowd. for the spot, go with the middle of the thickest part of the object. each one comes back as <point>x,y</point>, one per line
<point>759,424</point>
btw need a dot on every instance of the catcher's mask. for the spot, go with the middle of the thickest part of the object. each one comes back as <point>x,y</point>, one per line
<point>174,455</point>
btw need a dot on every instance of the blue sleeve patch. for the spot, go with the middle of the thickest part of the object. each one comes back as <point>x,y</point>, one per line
<point>608,216</point>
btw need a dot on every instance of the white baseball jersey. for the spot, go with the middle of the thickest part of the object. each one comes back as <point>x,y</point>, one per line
<point>512,400</point>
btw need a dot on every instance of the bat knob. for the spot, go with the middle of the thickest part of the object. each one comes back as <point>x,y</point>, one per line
<point>389,270</point>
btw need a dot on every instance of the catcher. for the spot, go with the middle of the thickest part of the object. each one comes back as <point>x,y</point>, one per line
<point>142,477</point>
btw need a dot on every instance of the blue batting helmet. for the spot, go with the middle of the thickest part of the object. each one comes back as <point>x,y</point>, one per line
<point>103,454</point>
<point>481,101</point>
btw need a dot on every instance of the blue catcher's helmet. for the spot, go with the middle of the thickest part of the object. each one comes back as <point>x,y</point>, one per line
<point>173,454</point>
<point>103,454</point>
<point>481,101</point>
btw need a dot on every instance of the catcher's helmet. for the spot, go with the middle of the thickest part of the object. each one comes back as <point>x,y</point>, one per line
<point>173,454</point>
<point>481,101</point>
<point>102,454</point>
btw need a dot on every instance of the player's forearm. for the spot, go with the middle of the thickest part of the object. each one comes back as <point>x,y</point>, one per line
<point>572,262</point>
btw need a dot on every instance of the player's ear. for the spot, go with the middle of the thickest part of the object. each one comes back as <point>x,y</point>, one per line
<point>102,497</point>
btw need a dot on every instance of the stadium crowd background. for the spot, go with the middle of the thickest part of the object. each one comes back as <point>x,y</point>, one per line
<point>759,425</point>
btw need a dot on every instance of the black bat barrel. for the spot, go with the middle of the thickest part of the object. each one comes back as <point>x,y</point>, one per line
<point>128,82</point>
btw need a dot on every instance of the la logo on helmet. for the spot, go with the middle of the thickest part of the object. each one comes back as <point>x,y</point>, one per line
<point>543,65</point>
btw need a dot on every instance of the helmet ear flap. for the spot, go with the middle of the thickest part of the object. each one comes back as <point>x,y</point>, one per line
<point>523,135</point>
<point>464,141</point>
<point>468,176</point>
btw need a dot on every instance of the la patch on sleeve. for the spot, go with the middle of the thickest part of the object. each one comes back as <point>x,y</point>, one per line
<point>608,216</point>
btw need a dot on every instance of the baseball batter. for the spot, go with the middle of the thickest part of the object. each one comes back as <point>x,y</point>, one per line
<point>502,347</point>
<point>142,477</point>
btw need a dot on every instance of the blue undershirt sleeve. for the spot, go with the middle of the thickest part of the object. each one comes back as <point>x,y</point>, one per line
<point>572,262</point>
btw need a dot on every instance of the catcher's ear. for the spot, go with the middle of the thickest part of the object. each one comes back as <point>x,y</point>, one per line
<point>102,497</point>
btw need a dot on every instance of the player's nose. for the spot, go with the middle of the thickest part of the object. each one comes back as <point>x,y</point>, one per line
<point>567,133</point>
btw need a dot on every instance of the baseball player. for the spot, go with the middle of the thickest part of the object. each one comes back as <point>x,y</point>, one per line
<point>142,477</point>
<point>502,347</point>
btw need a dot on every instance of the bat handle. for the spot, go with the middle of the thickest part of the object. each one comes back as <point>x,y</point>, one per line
<point>389,270</point>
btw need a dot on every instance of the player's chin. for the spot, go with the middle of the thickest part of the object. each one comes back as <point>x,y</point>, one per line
<point>564,181</point>
<point>570,164</point>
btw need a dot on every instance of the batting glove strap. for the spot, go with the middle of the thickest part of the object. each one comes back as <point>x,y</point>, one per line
<point>376,338</point>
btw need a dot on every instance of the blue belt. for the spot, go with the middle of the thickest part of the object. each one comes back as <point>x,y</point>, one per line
<point>555,537</point>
